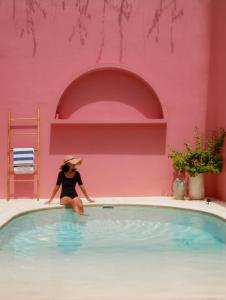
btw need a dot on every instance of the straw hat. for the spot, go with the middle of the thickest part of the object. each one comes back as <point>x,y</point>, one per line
<point>71,159</point>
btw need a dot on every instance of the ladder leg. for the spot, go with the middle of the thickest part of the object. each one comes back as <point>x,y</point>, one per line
<point>38,155</point>
<point>8,156</point>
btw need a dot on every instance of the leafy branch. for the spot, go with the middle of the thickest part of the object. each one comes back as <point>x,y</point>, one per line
<point>205,157</point>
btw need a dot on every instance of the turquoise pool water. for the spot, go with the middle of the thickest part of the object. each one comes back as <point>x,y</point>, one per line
<point>111,230</point>
<point>141,250</point>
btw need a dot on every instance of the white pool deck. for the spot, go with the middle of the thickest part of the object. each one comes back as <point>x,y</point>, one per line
<point>10,209</point>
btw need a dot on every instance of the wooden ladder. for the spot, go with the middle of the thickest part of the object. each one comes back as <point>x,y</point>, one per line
<point>37,151</point>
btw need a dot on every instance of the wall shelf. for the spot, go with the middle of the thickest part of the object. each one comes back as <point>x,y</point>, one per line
<point>57,122</point>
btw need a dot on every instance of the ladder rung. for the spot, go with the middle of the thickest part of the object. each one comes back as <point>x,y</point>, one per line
<point>23,179</point>
<point>13,119</point>
<point>11,149</point>
<point>12,165</point>
<point>22,133</point>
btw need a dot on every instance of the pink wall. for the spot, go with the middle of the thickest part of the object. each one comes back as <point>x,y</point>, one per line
<point>161,50</point>
<point>216,107</point>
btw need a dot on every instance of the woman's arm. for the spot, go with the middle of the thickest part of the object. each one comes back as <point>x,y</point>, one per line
<point>55,190</point>
<point>85,193</point>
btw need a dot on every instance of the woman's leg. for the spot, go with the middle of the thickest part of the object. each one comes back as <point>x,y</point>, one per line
<point>78,205</point>
<point>68,201</point>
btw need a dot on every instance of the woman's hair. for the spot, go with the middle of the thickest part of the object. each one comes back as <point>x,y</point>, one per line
<point>65,168</point>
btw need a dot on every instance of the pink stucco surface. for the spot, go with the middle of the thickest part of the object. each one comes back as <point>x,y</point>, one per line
<point>216,104</point>
<point>116,82</point>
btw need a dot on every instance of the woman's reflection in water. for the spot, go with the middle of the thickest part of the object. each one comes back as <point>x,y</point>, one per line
<point>69,233</point>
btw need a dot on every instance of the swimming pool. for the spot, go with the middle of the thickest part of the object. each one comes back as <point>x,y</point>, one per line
<point>124,252</point>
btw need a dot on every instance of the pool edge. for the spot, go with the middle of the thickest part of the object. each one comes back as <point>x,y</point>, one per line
<point>14,208</point>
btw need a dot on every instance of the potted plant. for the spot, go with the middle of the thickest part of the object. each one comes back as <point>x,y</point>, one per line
<point>204,157</point>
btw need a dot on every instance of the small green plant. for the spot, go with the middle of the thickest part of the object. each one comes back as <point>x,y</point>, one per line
<point>204,157</point>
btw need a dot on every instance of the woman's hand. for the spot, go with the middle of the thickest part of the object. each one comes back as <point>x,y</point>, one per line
<point>90,200</point>
<point>85,193</point>
<point>55,190</point>
<point>48,202</point>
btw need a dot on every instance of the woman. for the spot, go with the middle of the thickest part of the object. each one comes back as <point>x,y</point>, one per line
<point>68,177</point>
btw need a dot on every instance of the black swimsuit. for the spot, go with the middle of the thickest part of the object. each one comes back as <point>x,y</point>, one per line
<point>68,184</point>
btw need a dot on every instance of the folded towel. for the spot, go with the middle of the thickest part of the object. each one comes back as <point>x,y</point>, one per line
<point>23,156</point>
<point>24,170</point>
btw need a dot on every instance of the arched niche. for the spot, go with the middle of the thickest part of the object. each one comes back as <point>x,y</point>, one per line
<point>109,94</point>
<point>113,119</point>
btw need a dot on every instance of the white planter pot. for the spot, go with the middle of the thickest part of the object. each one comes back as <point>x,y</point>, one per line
<point>196,187</point>
<point>179,189</point>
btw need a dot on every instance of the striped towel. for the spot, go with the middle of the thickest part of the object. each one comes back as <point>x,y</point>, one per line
<point>23,160</point>
<point>24,170</point>
<point>23,156</point>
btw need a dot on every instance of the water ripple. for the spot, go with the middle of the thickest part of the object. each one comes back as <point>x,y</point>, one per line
<point>63,232</point>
